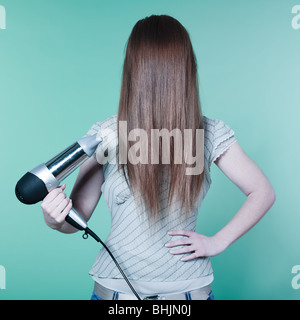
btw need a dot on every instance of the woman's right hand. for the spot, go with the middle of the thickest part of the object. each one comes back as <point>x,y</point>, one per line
<point>56,206</point>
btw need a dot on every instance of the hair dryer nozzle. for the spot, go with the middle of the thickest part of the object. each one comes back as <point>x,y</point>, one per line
<point>90,143</point>
<point>30,189</point>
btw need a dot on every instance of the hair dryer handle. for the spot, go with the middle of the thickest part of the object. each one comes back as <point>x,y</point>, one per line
<point>76,220</point>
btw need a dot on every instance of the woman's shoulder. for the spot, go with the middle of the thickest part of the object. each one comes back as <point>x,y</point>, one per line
<point>218,137</point>
<point>215,128</point>
<point>108,123</point>
<point>210,124</point>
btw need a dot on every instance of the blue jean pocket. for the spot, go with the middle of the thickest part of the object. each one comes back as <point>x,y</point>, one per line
<point>95,296</point>
<point>211,296</point>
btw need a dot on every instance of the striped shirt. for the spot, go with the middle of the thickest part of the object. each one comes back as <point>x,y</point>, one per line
<point>135,241</point>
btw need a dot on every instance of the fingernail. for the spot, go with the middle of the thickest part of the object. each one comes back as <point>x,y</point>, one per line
<point>167,244</point>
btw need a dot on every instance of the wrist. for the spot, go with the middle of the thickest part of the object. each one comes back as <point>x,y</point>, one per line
<point>221,242</point>
<point>65,227</point>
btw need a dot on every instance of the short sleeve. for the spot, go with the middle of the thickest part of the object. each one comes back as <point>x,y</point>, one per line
<point>108,132</point>
<point>220,137</point>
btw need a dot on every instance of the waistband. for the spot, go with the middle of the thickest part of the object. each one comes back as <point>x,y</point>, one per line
<point>108,294</point>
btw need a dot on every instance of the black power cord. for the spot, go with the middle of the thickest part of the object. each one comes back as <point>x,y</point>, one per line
<point>88,231</point>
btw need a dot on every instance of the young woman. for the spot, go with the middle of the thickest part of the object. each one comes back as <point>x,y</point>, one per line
<point>154,206</point>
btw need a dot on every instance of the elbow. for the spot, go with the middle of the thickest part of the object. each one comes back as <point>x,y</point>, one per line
<point>269,196</point>
<point>265,194</point>
<point>272,196</point>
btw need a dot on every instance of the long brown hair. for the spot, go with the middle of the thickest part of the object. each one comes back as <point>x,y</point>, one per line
<point>160,90</point>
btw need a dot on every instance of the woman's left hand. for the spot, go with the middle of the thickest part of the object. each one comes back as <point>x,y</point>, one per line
<point>195,243</point>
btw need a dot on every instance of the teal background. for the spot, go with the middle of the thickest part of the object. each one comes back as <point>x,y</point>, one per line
<point>60,72</point>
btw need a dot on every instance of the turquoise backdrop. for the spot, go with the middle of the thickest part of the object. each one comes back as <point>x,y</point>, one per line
<point>60,71</point>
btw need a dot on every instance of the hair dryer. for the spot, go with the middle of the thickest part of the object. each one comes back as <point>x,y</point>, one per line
<point>37,183</point>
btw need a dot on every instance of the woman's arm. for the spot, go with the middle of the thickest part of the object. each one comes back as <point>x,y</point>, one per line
<point>244,173</point>
<point>85,196</point>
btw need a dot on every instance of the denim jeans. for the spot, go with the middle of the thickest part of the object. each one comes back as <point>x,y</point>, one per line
<point>116,294</point>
